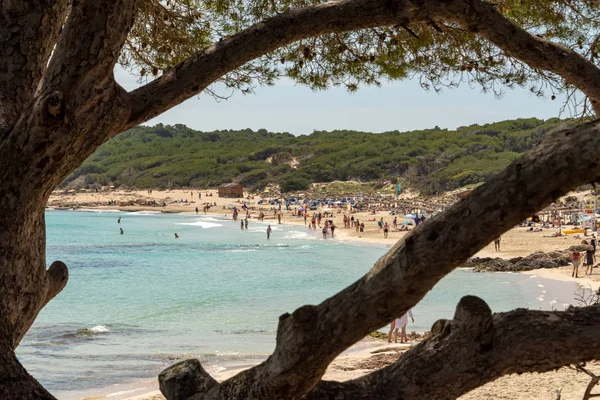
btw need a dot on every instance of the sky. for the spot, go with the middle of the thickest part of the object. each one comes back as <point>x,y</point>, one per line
<point>403,106</point>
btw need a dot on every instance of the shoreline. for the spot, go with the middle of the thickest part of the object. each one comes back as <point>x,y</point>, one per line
<point>346,366</point>
<point>515,242</point>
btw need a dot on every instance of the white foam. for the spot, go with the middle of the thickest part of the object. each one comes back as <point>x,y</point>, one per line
<point>97,211</point>
<point>144,213</point>
<point>298,235</point>
<point>99,329</point>
<point>214,219</point>
<point>124,392</point>
<point>201,224</point>
<point>540,298</point>
<point>539,285</point>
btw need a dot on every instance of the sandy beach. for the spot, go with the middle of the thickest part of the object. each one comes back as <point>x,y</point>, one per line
<point>369,354</point>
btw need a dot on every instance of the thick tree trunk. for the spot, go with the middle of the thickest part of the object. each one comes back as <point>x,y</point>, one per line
<point>25,284</point>
<point>15,382</point>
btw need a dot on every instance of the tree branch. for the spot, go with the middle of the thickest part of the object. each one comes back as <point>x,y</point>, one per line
<point>482,18</point>
<point>312,336</point>
<point>28,31</point>
<point>196,73</point>
<point>466,353</point>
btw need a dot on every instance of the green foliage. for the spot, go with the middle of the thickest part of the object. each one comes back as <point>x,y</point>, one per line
<point>293,184</point>
<point>430,160</point>
<point>438,53</point>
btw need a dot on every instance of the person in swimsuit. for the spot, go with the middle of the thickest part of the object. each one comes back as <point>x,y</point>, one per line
<point>575,260</point>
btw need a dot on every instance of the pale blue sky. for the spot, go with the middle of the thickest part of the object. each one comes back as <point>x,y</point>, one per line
<point>404,106</point>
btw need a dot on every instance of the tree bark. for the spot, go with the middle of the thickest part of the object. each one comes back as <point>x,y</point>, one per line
<point>312,336</point>
<point>28,31</point>
<point>475,348</point>
<point>74,108</point>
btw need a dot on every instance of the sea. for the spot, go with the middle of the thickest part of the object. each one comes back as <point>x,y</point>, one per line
<point>139,301</point>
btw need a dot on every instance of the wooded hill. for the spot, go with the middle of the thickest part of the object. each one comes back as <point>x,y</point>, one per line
<point>431,160</point>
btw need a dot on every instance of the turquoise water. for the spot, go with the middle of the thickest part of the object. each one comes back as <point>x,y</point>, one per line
<point>138,301</point>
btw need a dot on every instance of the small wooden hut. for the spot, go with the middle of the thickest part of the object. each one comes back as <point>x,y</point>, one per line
<point>231,190</point>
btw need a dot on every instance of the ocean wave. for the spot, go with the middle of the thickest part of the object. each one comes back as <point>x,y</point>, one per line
<point>299,235</point>
<point>214,219</point>
<point>201,224</point>
<point>87,332</point>
<point>244,331</point>
<point>144,213</point>
<point>90,210</point>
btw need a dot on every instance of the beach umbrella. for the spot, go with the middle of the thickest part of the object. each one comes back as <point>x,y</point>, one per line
<point>413,216</point>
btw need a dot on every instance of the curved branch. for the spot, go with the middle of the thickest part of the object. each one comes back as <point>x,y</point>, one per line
<point>483,19</point>
<point>198,72</point>
<point>311,337</point>
<point>466,353</point>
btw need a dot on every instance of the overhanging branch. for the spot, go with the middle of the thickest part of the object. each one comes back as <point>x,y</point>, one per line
<point>198,72</point>
<point>483,19</point>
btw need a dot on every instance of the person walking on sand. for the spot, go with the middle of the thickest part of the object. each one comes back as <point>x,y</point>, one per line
<point>386,229</point>
<point>400,324</point>
<point>497,243</point>
<point>575,255</point>
<point>403,323</point>
<point>269,230</point>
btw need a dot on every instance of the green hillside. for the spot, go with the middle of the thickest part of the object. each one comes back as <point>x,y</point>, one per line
<point>431,160</point>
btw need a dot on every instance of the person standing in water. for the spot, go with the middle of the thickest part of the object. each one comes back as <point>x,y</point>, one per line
<point>121,230</point>
<point>242,224</point>
<point>269,230</point>
<point>119,220</point>
<point>246,223</point>
<point>176,235</point>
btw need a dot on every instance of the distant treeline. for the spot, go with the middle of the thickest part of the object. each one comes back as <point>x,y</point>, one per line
<point>431,160</point>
